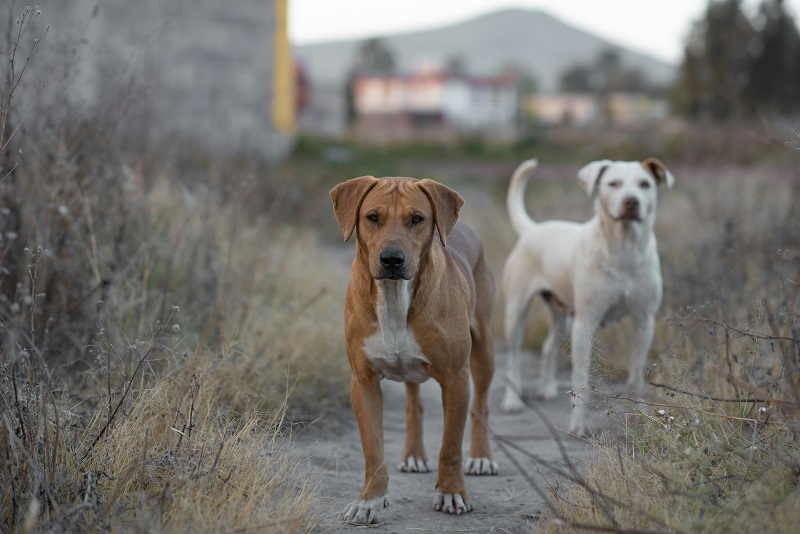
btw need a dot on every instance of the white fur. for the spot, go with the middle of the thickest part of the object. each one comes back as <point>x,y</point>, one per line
<point>597,272</point>
<point>451,503</point>
<point>393,349</point>
<point>480,466</point>
<point>413,464</point>
<point>365,512</point>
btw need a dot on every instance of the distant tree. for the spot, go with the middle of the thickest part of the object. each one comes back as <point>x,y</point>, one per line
<point>526,87</point>
<point>774,82</point>
<point>606,73</point>
<point>375,57</point>
<point>526,82</point>
<point>349,97</point>
<point>614,76</point>
<point>372,57</point>
<point>716,70</point>
<point>577,79</point>
<point>456,65</point>
<point>608,68</point>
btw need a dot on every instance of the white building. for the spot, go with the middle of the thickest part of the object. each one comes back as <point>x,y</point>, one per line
<point>431,103</point>
<point>584,109</point>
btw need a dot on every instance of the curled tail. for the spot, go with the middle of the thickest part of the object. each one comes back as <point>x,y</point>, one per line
<point>515,201</point>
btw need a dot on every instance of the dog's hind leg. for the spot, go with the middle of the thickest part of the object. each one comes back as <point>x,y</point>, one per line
<point>482,368</point>
<point>556,334</point>
<point>518,299</point>
<point>414,459</point>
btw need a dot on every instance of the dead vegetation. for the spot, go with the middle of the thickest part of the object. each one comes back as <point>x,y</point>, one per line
<point>161,330</point>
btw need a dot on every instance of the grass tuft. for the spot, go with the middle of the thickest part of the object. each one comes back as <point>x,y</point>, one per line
<point>714,447</point>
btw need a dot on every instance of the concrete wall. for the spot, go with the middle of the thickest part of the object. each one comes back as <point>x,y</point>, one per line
<point>197,73</point>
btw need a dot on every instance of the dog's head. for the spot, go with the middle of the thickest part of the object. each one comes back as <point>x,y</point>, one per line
<point>395,220</point>
<point>625,191</point>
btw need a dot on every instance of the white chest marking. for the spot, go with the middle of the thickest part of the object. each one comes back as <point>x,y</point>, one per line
<point>392,349</point>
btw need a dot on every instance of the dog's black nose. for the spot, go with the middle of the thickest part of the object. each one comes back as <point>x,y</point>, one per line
<point>631,203</point>
<point>393,259</point>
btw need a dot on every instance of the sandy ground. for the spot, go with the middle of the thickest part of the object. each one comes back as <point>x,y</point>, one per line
<point>503,503</point>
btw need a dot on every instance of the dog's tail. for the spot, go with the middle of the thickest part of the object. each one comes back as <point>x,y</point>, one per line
<point>515,201</point>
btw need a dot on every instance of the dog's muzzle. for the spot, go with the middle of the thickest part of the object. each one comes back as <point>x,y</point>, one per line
<point>630,209</point>
<point>393,264</point>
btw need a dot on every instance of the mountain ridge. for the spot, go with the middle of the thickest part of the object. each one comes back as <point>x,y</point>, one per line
<point>533,40</point>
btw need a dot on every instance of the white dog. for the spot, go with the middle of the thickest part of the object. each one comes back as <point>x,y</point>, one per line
<point>590,273</point>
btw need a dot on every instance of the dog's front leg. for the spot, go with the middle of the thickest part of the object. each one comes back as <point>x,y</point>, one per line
<point>452,496</point>
<point>582,339</point>
<point>367,400</point>
<point>643,329</point>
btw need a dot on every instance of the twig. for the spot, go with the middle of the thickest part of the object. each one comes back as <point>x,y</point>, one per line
<point>698,410</point>
<point>17,404</point>
<point>119,404</point>
<point>34,467</point>
<point>525,474</point>
<point>748,400</point>
<point>216,459</point>
<point>745,333</point>
<point>782,348</point>
<point>602,500</point>
<point>742,384</point>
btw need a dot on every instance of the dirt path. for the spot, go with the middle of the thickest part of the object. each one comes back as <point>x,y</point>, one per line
<point>503,503</point>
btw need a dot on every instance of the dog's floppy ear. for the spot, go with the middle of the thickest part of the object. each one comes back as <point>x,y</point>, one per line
<point>659,172</point>
<point>347,198</point>
<point>446,204</point>
<point>589,176</point>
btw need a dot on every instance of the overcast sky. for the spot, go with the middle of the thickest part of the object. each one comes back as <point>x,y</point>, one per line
<point>658,28</point>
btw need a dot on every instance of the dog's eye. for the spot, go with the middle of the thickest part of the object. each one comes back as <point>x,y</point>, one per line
<point>372,217</point>
<point>614,184</point>
<point>644,184</point>
<point>417,218</point>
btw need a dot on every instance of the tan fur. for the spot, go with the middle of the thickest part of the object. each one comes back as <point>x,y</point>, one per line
<point>415,322</point>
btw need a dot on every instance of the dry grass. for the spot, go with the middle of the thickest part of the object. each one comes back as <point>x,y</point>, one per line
<point>159,337</point>
<point>277,311</point>
<point>165,455</point>
<point>695,457</point>
<point>155,429</point>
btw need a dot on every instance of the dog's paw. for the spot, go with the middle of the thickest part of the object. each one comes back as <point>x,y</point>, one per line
<point>511,403</point>
<point>413,464</point>
<point>480,466</point>
<point>578,426</point>
<point>365,512</point>
<point>451,503</point>
<point>548,391</point>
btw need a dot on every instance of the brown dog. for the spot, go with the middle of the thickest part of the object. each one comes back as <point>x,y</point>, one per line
<point>416,309</point>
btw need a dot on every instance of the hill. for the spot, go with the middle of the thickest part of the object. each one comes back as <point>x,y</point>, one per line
<point>534,41</point>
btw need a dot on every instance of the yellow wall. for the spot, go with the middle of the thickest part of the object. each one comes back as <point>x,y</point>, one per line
<point>283,102</point>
